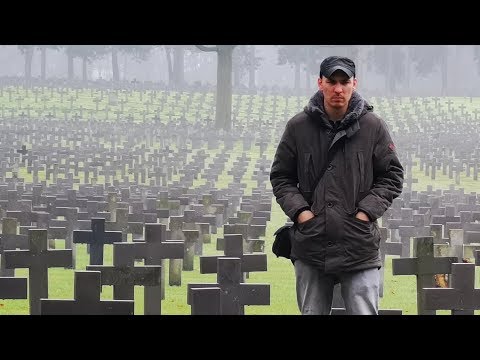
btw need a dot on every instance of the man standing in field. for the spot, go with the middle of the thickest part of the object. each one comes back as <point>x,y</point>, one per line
<point>335,172</point>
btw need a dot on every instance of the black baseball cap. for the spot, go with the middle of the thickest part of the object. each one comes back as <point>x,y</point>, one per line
<point>334,63</point>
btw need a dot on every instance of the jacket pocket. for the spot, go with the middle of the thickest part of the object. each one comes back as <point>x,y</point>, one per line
<point>361,171</point>
<point>308,230</point>
<point>360,239</point>
<point>306,224</point>
<point>360,220</point>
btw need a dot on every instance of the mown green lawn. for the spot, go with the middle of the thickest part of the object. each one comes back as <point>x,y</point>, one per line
<point>399,292</point>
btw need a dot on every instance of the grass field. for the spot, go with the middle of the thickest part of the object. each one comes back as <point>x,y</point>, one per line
<point>399,291</point>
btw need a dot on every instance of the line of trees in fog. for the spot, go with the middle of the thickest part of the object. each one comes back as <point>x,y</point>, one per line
<point>243,61</point>
<point>390,70</point>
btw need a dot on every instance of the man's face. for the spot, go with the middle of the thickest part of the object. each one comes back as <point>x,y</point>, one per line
<point>338,89</point>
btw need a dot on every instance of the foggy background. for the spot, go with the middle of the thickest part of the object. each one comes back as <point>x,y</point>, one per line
<point>400,70</point>
<point>145,134</point>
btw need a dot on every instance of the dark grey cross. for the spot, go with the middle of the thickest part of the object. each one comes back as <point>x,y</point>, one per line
<point>71,224</point>
<point>234,248</point>
<point>394,224</point>
<point>23,150</point>
<point>383,242</point>
<point>35,168</point>
<point>13,199</point>
<point>443,219</point>
<point>213,220</point>
<point>9,240</point>
<point>234,294</point>
<point>71,201</point>
<point>136,229</point>
<point>472,237</point>
<point>191,237</point>
<point>451,225</point>
<point>54,232</point>
<point>23,217</point>
<point>449,103</point>
<point>206,301</point>
<point>256,220</point>
<point>249,245</point>
<point>142,217</point>
<point>437,233</point>
<point>205,236</point>
<point>38,260</point>
<point>154,251</point>
<point>406,233</point>
<point>466,215</point>
<point>124,275</point>
<point>425,266</point>
<point>256,230</point>
<point>461,298</point>
<point>393,248</point>
<point>96,101</point>
<point>96,238</point>
<point>87,299</point>
<point>13,288</point>
<point>93,208</point>
<point>244,217</point>
<point>121,223</point>
<point>455,248</point>
<point>176,265</point>
<point>476,112</point>
<point>262,214</point>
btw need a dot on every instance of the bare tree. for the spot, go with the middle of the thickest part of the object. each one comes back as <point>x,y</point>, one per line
<point>306,56</point>
<point>27,50</point>
<point>87,53</point>
<point>294,55</point>
<point>43,58</point>
<point>176,63</point>
<point>115,71</point>
<point>253,64</point>
<point>243,61</point>
<point>223,115</point>
<point>429,58</point>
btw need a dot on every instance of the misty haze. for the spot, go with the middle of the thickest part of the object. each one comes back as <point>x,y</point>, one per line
<point>145,169</point>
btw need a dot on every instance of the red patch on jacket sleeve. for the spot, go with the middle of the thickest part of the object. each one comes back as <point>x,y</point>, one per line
<point>391,146</point>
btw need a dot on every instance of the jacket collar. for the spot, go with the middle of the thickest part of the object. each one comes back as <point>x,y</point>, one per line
<point>357,107</point>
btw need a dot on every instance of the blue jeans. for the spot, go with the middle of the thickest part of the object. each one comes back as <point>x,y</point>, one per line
<point>360,290</point>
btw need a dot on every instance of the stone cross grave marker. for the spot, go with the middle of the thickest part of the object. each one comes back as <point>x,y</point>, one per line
<point>38,259</point>
<point>234,294</point>
<point>120,224</point>
<point>9,240</point>
<point>206,301</point>
<point>154,251</point>
<point>124,275</point>
<point>462,298</point>
<point>13,288</point>
<point>86,299</point>
<point>234,248</point>
<point>96,238</point>
<point>425,266</point>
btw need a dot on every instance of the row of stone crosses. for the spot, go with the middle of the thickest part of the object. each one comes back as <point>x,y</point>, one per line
<point>189,222</point>
<point>32,251</point>
<point>426,217</point>
<point>448,219</point>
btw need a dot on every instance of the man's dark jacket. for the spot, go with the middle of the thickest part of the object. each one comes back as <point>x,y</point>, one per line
<point>363,173</point>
